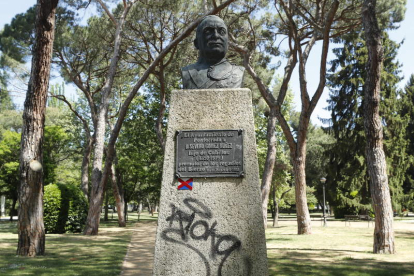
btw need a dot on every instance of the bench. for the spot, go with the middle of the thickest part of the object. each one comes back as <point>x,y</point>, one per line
<point>349,218</point>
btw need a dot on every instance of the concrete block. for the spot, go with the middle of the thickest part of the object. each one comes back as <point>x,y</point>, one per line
<point>217,227</point>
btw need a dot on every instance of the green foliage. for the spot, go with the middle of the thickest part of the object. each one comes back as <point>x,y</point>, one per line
<point>407,100</point>
<point>78,210</point>
<point>5,99</point>
<point>9,164</point>
<point>390,13</point>
<point>17,37</point>
<point>348,183</point>
<point>52,219</point>
<point>140,156</point>
<point>65,209</point>
<point>317,143</point>
<point>10,119</point>
<point>289,201</point>
<point>56,141</point>
<point>61,146</point>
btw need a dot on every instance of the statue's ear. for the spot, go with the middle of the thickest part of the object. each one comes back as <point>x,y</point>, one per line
<point>196,43</point>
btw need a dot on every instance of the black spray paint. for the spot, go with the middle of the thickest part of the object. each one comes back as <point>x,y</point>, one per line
<point>185,230</point>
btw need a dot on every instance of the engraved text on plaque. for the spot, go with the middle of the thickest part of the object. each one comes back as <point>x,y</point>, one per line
<point>209,153</point>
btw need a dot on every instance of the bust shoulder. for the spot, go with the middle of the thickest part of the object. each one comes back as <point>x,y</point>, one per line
<point>189,67</point>
<point>220,75</point>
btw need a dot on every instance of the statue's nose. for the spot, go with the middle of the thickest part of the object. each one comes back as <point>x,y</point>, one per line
<point>215,33</point>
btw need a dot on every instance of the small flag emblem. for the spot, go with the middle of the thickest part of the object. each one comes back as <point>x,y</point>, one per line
<point>185,184</point>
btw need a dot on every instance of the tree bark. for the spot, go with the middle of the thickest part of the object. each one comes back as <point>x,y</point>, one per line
<point>126,210</point>
<point>161,112</point>
<point>376,163</point>
<point>13,208</point>
<point>302,210</point>
<point>277,203</point>
<point>106,217</point>
<point>98,186</point>
<point>269,163</point>
<point>119,198</point>
<point>139,210</point>
<point>31,232</point>
<point>275,207</point>
<point>85,166</point>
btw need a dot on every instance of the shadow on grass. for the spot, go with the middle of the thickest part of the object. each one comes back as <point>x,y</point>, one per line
<point>327,251</point>
<point>71,254</point>
<point>405,234</point>
<point>8,227</point>
<point>302,263</point>
<point>268,240</point>
<point>278,227</point>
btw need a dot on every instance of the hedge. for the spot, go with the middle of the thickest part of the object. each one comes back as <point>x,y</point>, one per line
<point>65,208</point>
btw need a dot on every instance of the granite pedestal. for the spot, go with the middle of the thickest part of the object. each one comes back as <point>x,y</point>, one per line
<point>216,228</point>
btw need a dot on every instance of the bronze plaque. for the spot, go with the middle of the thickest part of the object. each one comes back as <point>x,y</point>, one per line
<point>209,153</point>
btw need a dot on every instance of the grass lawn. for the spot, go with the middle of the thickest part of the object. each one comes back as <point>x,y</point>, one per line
<point>70,254</point>
<point>338,250</point>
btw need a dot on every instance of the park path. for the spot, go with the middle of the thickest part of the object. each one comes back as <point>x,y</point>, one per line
<point>140,255</point>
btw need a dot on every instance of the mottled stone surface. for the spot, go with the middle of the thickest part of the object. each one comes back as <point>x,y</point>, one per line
<point>217,228</point>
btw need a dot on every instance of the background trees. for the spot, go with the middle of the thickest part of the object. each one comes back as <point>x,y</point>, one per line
<point>150,54</point>
<point>347,177</point>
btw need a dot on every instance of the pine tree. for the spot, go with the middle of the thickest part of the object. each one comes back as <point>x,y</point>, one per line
<point>347,182</point>
<point>408,112</point>
<point>347,175</point>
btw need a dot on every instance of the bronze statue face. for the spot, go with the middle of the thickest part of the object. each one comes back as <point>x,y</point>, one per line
<point>212,39</point>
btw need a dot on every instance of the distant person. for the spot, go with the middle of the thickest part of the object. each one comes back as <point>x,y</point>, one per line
<point>212,70</point>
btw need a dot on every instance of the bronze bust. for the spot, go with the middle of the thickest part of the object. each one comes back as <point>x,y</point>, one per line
<point>212,70</point>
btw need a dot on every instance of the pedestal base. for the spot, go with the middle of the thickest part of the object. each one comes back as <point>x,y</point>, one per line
<point>217,227</point>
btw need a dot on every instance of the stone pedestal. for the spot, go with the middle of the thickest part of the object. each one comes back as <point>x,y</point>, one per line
<point>217,227</point>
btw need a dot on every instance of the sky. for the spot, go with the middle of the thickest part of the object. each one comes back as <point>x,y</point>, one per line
<point>8,9</point>
<point>405,57</point>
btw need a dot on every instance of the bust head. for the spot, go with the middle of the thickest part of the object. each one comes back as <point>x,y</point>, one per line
<point>212,70</point>
<point>211,39</point>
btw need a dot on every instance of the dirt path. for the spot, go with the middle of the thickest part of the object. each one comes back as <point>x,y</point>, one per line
<point>139,258</point>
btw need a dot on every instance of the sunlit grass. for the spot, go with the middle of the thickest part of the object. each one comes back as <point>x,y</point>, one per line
<point>334,250</point>
<point>338,250</point>
<point>70,254</point>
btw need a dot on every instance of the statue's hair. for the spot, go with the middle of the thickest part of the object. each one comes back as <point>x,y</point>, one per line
<point>201,26</point>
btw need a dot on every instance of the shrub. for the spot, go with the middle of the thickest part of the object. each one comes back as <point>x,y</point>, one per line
<point>65,208</point>
<point>78,211</point>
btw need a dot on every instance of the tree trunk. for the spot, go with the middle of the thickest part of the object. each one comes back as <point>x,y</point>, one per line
<point>13,208</point>
<point>97,191</point>
<point>85,167</point>
<point>139,210</point>
<point>161,112</point>
<point>205,6</point>
<point>119,198</point>
<point>269,163</point>
<point>3,206</point>
<point>98,186</point>
<point>376,164</point>
<point>277,203</point>
<point>302,211</point>
<point>106,217</point>
<point>126,210</point>
<point>276,207</point>
<point>31,232</point>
